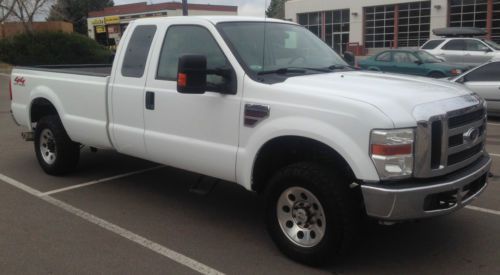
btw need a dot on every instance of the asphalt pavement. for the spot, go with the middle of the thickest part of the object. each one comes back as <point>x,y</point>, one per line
<point>122,215</point>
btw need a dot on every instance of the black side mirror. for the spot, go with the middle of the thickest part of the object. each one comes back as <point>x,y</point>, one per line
<point>418,62</point>
<point>350,58</point>
<point>192,74</point>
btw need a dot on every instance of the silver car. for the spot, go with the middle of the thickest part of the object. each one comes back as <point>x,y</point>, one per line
<point>485,81</point>
<point>464,50</point>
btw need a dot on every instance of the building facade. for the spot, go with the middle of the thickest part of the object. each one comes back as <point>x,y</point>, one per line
<point>107,25</point>
<point>379,24</point>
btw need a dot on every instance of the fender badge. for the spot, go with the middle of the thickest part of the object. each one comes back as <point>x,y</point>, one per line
<point>19,81</point>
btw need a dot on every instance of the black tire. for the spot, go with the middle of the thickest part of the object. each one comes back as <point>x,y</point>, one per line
<point>341,209</point>
<point>437,75</point>
<point>66,152</point>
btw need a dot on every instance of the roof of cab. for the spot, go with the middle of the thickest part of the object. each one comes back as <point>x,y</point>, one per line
<point>213,19</point>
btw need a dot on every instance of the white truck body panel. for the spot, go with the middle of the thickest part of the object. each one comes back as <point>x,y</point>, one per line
<point>205,133</point>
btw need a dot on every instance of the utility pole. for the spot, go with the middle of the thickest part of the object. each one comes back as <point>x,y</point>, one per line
<point>184,8</point>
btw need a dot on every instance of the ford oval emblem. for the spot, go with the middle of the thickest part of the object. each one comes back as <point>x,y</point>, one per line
<point>471,135</point>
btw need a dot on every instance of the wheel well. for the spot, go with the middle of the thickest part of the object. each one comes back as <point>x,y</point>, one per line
<point>41,107</point>
<point>283,151</point>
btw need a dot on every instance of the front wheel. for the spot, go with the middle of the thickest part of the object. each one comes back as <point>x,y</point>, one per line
<point>57,154</point>
<point>311,215</point>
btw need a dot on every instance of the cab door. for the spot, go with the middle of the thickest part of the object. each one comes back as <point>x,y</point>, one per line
<point>454,51</point>
<point>196,132</point>
<point>126,91</point>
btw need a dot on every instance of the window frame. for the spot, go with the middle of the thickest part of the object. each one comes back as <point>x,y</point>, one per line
<point>232,85</point>
<point>151,45</point>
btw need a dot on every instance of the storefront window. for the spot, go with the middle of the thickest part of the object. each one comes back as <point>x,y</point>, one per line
<point>337,29</point>
<point>414,24</point>
<point>379,26</point>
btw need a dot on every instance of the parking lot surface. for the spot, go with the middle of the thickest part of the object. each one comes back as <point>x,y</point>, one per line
<point>121,215</point>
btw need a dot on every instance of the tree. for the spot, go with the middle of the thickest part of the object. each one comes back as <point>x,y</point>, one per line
<point>76,11</point>
<point>6,7</point>
<point>24,11</point>
<point>276,9</point>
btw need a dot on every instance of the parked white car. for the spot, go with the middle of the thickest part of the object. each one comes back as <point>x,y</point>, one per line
<point>485,81</point>
<point>466,50</point>
<point>326,144</point>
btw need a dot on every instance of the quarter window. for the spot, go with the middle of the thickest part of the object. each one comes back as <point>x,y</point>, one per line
<point>137,52</point>
<point>182,40</point>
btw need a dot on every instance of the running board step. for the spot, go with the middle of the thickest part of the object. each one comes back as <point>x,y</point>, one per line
<point>27,136</point>
<point>204,185</point>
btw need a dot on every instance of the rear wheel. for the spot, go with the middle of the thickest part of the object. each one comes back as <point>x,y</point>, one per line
<point>57,154</point>
<point>311,215</point>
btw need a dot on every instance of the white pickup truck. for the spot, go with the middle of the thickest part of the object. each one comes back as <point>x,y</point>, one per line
<point>267,105</point>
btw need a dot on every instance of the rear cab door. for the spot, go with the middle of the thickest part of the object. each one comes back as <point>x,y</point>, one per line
<point>195,132</point>
<point>126,88</point>
<point>477,52</point>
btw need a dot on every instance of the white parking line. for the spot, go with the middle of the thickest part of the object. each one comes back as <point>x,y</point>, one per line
<point>164,251</point>
<point>484,210</point>
<point>494,155</point>
<point>6,75</point>
<point>493,124</point>
<point>99,181</point>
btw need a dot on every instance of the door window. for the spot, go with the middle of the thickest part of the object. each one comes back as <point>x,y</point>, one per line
<point>455,45</point>
<point>475,46</point>
<point>488,73</point>
<point>384,57</point>
<point>137,52</point>
<point>186,39</point>
<point>402,58</point>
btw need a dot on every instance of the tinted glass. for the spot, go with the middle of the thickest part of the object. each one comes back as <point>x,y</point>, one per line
<point>490,73</point>
<point>475,46</point>
<point>384,57</point>
<point>432,44</point>
<point>138,51</point>
<point>286,45</point>
<point>182,40</point>
<point>455,45</point>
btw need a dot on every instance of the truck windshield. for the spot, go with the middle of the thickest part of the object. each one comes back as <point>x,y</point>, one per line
<point>266,47</point>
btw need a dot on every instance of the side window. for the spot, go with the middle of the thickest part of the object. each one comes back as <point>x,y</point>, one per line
<point>137,52</point>
<point>432,44</point>
<point>186,39</point>
<point>455,45</point>
<point>384,57</point>
<point>475,46</point>
<point>401,58</point>
<point>412,58</point>
<point>488,73</point>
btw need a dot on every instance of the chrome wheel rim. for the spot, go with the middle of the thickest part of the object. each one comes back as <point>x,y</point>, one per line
<point>48,146</point>
<point>301,217</point>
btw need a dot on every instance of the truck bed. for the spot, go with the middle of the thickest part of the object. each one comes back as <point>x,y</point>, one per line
<point>101,70</point>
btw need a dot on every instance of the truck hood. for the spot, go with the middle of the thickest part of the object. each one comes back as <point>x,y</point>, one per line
<point>393,94</point>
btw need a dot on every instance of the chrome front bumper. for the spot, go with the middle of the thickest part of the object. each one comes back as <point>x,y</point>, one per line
<point>415,200</point>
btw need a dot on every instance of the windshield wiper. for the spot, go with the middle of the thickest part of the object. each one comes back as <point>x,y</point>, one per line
<point>292,70</point>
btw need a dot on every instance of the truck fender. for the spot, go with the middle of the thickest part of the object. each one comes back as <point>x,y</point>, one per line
<point>357,158</point>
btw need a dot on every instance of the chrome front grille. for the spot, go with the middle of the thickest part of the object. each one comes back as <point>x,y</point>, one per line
<point>450,138</point>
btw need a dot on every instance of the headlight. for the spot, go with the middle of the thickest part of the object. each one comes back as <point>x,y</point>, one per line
<point>456,72</point>
<point>392,152</point>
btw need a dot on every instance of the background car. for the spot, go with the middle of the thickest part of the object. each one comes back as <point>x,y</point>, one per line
<point>412,62</point>
<point>462,50</point>
<point>485,81</point>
